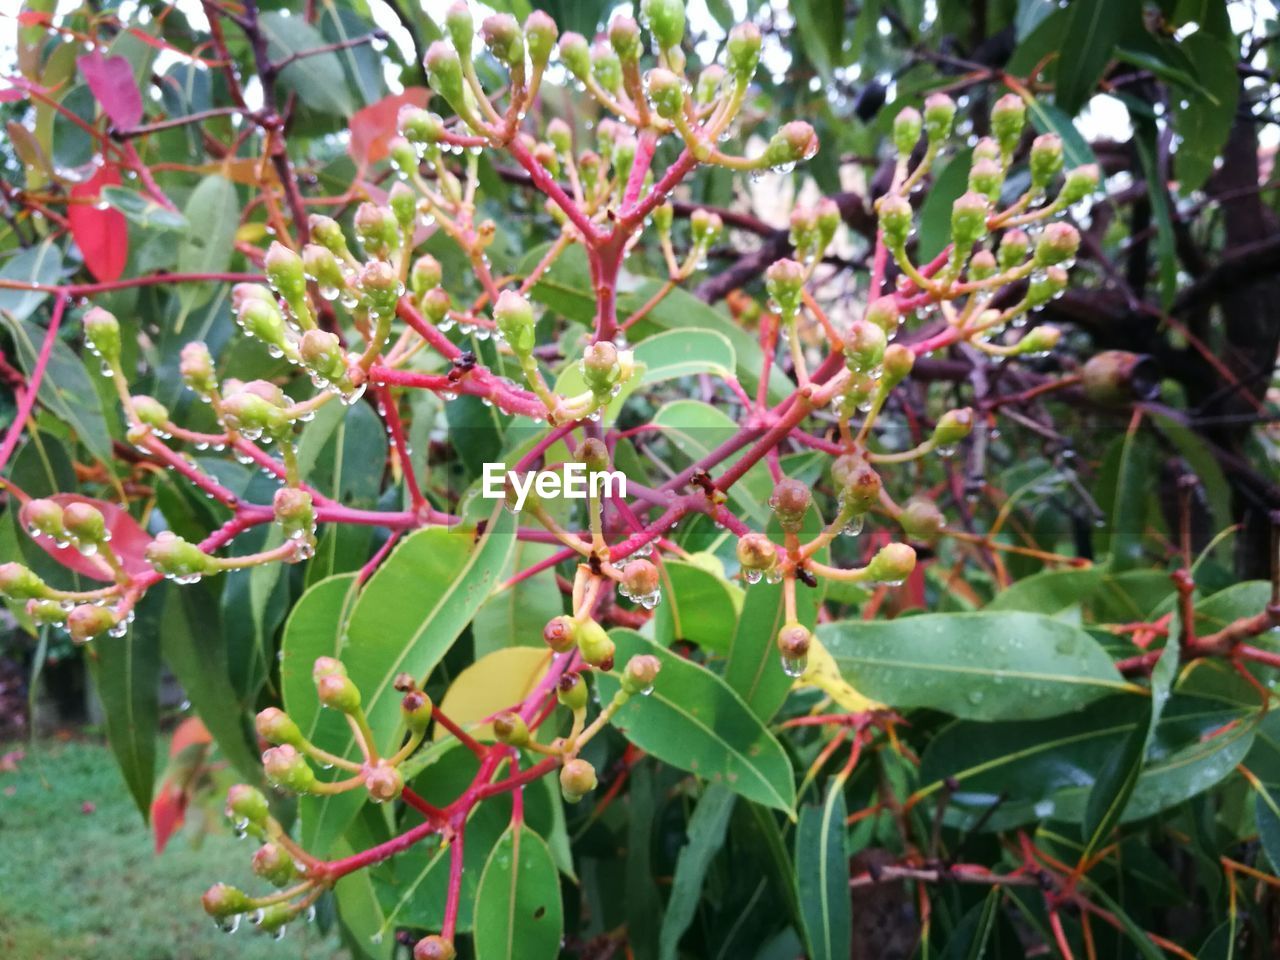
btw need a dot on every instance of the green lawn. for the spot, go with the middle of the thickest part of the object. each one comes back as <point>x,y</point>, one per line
<point>77,885</point>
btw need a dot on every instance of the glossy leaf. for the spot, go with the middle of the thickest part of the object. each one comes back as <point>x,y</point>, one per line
<point>114,87</point>
<point>493,683</point>
<point>518,908</point>
<point>698,605</point>
<point>142,210</point>
<point>1091,33</point>
<point>102,235</point>
<point>705,832</point>
<point>215,213</point>
<point>317,79</point>
<point>128,541</point>
<point>516,615</point>
<point>822,870</point>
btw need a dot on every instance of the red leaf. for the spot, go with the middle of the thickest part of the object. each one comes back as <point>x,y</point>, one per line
<point>10,94</point>
<point>101,235</point>
<point>373,127</point>
<point>128,541</point>
<point>189,733</point>
<point>111,80</point>
<point>168,811</point>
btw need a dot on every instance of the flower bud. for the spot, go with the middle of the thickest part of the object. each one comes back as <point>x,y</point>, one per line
<point>594,454</point>
<point>665,19</point>
<point>327,667</point>
<point>969,219</point>
<point>1080,182</point>
<point>262,320</point>
<point>273,864</point>
<point>17,582</point>
<point>795,142</point>
<point>939,114</point>
<point>381,287</point>
<point>606,67</point>
<point>892,564</point>
<point>322,353</point>
<point>377,229</point>
<point>504,38</point>
<point>884,313</point>
<point>1008,117</point>
<point>595,645</point>
<point>953,426</point>
<point>742,52</point>
<point>416,708</point>
<point>706,226</point>
<point>444,73</point>
<point>253,416</point>
<point>707,88</point>
<point>639,579</point>
<point>864,347</point>
<point>384,782</point>
<point>338,693</point>
<point>85,523</point>
<point>1013,249</point>
<point>547,158</point>
<point>326,232</point>
<point>45,517</point>
<point>895,217</point>
<point>434,948</point>
<point>577,779</point>
<point>794,640</point>
<point>175,558</point>
<point>320,264</point>
<point>1058,243</point>
<point>756,553</point>
<point>513,315</point>
<point>804,230</point>
<point>561,633</point>
<point>511,729</point>
<point>404,158</point>
<point>247,805</point>
<point>898,361</point>
<point>907,126</point>
<point>435,304</point>
<point>418,126</point>
<point>784,281</point>
<point>87,621</point>
<point>540,37</point>
<point>560,136</point>
<point>624,37</point>
<point>666,93</point>
<point>102,334</point>
<point>460,27</point>
<point>576,54</point>
<point>404,206</point>
<point>1039,340</point>
<point>1046,158</point>
<point>982,265</point>
<point>294,512</point>
<point>662,217</point>
<point>196,368</point>
<point>827,217</point>
<point>285,272</point>
<point>986,149</point>
<point>46,611</point>
<point>790,502</point>
<point>222,901</point>
<point>571,691</point>
<point>1112,378</point>
<point>1045,287</point>
<point>859,483</point>
<point>600,366</point>
<point>286,768</point>
<point>985,178</point>
<point>640,673</point>
<point>921,520</point>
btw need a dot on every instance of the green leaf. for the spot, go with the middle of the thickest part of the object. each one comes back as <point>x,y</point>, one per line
<point>515,616</point>
<point>40,264</point>
<point>1091,34</point>
<point>935,214</point>
<point>208,246</point>
<point>126,676</point>
<point>1126,537</point>
<point>822,869</point>
<point>142,210</point>
<point>518,909</point>
<point>698,605</point>
<point>318,80</point>
<point>705,835</point>
<point>695,429</point>
<point>694,721</point>
<point>1267,812</point>
<point>1047,118</point>
<point>972,934</point>
<point>980,666</point>
<point>820,24</point>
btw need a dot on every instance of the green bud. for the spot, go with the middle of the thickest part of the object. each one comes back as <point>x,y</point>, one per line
<point>102,334</point>
<point>939,114</point>
<point>17,582</point>
<point>921,520</point>
<point>560,136</point>
<point>85,523</point>
<point>404,156</point>
<point>575,53</point>
<point>1045,287</point>
<point>953,426</point>
<point>286,768</point>
<point>247,805</point>
<point>547,158</point>
<point>640,673</point>
<point>706,227</point>
<point>982,265</point>
<point>294,513</point>
<point>600,367</point>
<point>795,142</point>
<point>1013,249</point>
<point>384,782</point>
<point>577,779</point>
<point>88,621</point>
<point>859,483</point>
<point>274,917</point>
<point>322,266</point>
<point>606,67</point>
<point>985,177</point>
<point>969,219</point>
<point>707,88</point>
<point>571,691</point>
<point>986,149</point>
<point>326,232</point>
<point>404,206</point>
<point>790,501</point>
<point>504,38</point>
<point>327,667</point>
<point>892,564</point>
<point>561,633</point>
<point>794,640</point>
<point>377,229</point>
<point>1116,377</point>
<point>44,517</point>
<point>662,217</point>
<point>513,315</point>
<point>1057,244</point>
<point>460,26</point>
<point>895,217</point>
<point>665,19</point>
<point>1080,182</point>
<point>253,416</point>
<point>434,948</point>
<point>756,554</point>
<point>1008,117</point>
<point>666,93</point>
<point>639,579</point>
<point>907,126</point>
<point>285,272</point>
<point>540,37</point>
<point>784,281</point>
<point>742,52</point>
<point>1039,340</point>
<point>416,708</point>
<point>1046,159</point>
<point>195,364</point>
<point>594,454</point>
<point>898,361</point>
<point>222,901</point>
<point>444,74</point>
<point>435,304</point>
<point>322,354</point>
<point>884,313</point>
<point>45,611</point>
<point>338,693</point>
<point>418,126</point>
<point>864,347</point>
<point>594,645</point>
<point>804,230</point>
<point>380,285</point>
<point>175,558</point>
<point>262,320</point>
<point>624,37</point>
<point>273,864</point>
<point>827,218</point>
<point>510,728</point>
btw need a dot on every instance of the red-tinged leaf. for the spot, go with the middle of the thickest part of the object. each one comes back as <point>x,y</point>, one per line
<point>10,94</point>
<point>373,127</point>
<point>35,18</point>
<point>101,235</point>
<point>111,80</point>
<point>128,541</point>
<point>190,732</point>
<point>168,812</point>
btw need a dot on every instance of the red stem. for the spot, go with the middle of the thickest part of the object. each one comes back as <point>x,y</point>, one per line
<point>27,397</point>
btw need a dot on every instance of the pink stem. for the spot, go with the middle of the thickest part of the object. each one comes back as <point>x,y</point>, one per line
<point>27,398</point>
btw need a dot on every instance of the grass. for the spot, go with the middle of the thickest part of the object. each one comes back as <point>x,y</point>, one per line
<point>80,883</point>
